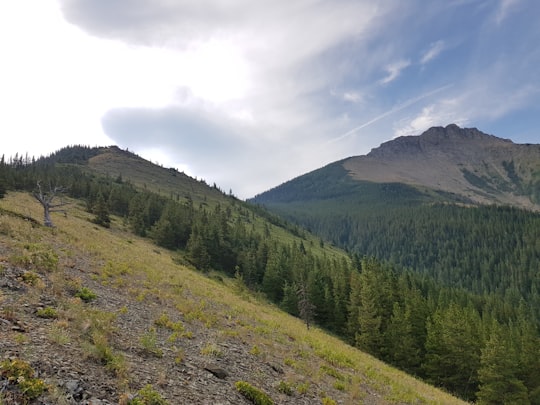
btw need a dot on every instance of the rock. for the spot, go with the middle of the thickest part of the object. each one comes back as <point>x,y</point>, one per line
<point>218,372</point>
<point>275,367</point>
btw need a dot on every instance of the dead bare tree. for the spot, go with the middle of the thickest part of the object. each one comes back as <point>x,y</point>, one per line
<point>46,198</point>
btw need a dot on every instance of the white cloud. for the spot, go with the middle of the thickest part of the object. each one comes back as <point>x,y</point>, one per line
<point>434,50</point>
<point>393,70</point>
<point>352,96</point>
<point>439,114</point>
<point>504,9</point>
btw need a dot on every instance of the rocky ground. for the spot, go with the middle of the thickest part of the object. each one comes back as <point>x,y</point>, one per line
<point>55,349</point>
<point>78,379</point>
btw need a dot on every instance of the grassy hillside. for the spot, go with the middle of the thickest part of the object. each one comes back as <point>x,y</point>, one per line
<point>100,313</point>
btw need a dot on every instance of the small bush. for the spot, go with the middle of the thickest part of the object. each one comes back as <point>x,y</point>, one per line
<point>147,396</point>
<point>285,388</point>
<point>302,388</point>
<point>101,351</point>
<point>336,359</point>
<point>332,372</point>
<point>86,294</point>
<point>165,322</point>
<point>338,385</point>
<point>38,257</point>
<point>21,374</point>
<point>47,313</point>
<point>253,394</point>
<point>58,334</point>
<point>149,343</point>
<point>211,349</point>
<point>328,401</point>
<point>30,278</point>
<point>255,351</point>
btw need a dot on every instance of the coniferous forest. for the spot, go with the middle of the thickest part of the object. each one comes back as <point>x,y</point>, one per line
<point>473,330</point>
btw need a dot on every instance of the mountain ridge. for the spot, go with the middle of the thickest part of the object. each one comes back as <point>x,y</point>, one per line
<point>481,168</point>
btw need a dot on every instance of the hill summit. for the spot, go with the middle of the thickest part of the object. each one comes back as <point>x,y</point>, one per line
<point>465,162</point>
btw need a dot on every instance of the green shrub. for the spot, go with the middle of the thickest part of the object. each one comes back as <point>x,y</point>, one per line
<point>328,401</point>
<point>147,396</point>
<point>86,294</point>
<point>30,278</point>
<point>332,372</point>
<point>212,350</point>
<point>47,313</point>
<point>149,343</point>
<point>339,385</point>
<point>253,394</point>
<point>302,388</point>
<point>38,257</point>
<point>285,388</point>
<point>21,374</point>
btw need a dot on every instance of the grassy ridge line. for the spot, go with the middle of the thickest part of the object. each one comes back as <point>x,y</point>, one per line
<point>230,310</point>
<point>114,162</point>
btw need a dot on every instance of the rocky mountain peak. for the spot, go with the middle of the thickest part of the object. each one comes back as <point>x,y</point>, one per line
<point>451,138</point>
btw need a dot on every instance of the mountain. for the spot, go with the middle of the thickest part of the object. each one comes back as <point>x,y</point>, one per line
<point>155,288</point>
<point>422,203</point>
<point>443,164</point>
<point>463,162</point>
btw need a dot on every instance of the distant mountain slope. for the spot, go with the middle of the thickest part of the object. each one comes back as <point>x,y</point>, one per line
<point>465,162</point>
<point>458,164</point>
<point>454,204</point>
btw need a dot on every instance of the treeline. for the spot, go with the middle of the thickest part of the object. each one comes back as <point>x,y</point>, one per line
<point>482,346</point>
<point>484,249</point>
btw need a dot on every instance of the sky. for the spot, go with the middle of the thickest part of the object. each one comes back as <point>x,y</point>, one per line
<point>249,94</point>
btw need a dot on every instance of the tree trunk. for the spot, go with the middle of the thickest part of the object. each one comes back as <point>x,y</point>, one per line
<point>45,199</point>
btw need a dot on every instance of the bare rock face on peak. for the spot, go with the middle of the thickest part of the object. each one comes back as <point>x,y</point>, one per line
<point>466,162</point>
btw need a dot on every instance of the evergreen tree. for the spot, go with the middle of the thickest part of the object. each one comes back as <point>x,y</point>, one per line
<point>197,250</point>
<point>404,350</point>
<point>101,212</point>
<point>528,350</point>
<point>353,307</point>
<point>453,345</point>
<point>290,299</point>
<point>306,308</point>
<point>274,275</point>
<point>376,300</point>
<point>497,374</point>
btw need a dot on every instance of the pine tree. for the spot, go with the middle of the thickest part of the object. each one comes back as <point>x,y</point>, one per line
<point>453,345</point>
<point>404,350</point>
<point>197,250</point>
<point>273,279</point>
<point>101,212</point>
<point>528,348</point>
<point>306,308</point>
<point>3,187</point>
<point>353,307</point>
<point>497,374</point>
<point>290,299</point>
<point>375,307</point>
